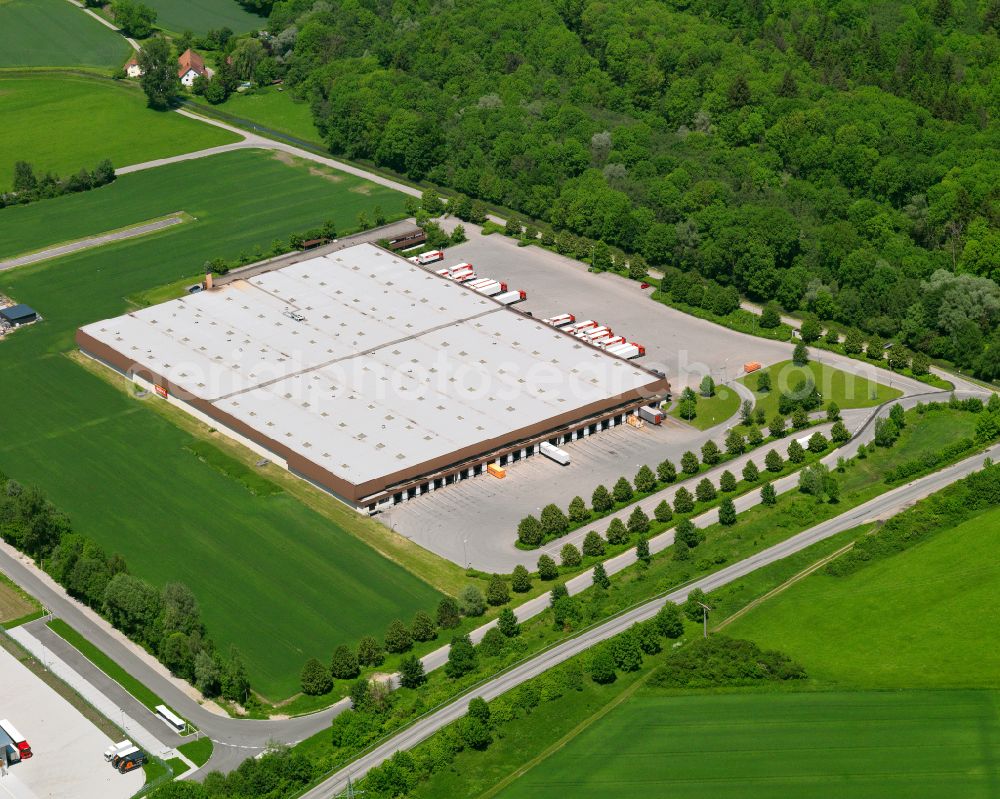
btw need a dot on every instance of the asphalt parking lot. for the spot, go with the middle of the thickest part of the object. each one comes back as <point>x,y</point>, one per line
<point>683,347</point>
<point>68,750</point>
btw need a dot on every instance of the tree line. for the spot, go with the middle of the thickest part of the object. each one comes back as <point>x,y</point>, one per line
<point>29,186</point>
<point>840,160</point>
<point>166,622</point>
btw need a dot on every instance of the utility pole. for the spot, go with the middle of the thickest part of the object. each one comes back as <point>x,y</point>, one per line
<point>350,793</point>
<point>704,618</point>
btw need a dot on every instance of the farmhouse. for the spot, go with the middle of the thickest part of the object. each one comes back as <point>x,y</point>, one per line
<point>191,66</point>
<point>369,376</point>
<point>132,68</point>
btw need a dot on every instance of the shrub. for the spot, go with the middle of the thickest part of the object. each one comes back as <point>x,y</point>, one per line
<point>578,511</point>
<point>750,472</point>
<point>681,551</point>
<point>617,532</point>
<point>448,613</point>
<point>423,627</point>
<point>710,453</point>
<point>570,556</point>
<point>602,501</point>
<point>763,382</point>
<point>818,443</point>
<point>800,355</point>
<point>669,622</point>
<point>547,569</point>
<point>777,426</point>
<point>645,480</point>
<point>886,432</point>
<point>593,544</point>
<point>800,419</point>
<point>707,386</point>
<point>683,501</point>
<point>529,531</point>
<point>795,452</point>
<point>768,496</point>
<point>344,664</point>
<point>553,521</point>
<point>507,623</point>
<point>397,637</point>
<point>626,651</point>
<point>622,492</point>
<point>370,652</point>
<point>471,601</point>
<point>727,512</point>
<point>601,579</point>
<point>411,672</point>
<point>839,433</point>
<point>754,437</point>
<point>720,660</point>
<point>773,462</point>
<point>693,606</point>
<point>832,411</point>
<point>638,522</point>
<point>727,481</point>
<point>662,512</point>
<point>735,443</point>
<point>461,657</point>
<point>493,644</point>
<point>690,463</point>
<point>705,491</point>
<point>642,550</point>
<point>602,666</point>
<point>520,580</point>
<point>496,591</point>
<point>688,533</point>
<point>316,679</point>
<point>666,472</point>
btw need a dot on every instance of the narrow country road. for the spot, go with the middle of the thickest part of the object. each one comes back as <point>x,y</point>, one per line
<point>132,42</point>
<point>92,241</point>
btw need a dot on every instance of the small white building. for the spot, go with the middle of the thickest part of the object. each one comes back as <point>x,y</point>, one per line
<point>132,68</point>
<point>191,66</point>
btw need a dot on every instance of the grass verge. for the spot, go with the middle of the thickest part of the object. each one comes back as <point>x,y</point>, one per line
<point>197,751</point>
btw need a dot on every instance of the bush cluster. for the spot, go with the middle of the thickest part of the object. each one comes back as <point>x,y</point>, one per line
<point>28,187</point>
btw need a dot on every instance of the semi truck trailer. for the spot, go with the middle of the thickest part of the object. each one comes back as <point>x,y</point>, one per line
<point>560,456</point>
<point>510,297</point>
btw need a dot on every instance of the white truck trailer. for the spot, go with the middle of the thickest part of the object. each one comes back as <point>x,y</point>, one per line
<point>553,452</point>
<point>510,297</point>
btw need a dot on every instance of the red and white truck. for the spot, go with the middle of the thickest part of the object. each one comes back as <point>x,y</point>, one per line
<point>462,272</point>
<point>561,320</point>
<point>595,333</point>
<point>17,740</point>
<point>610,341</point>
<point>429,257</point>
<point>651,415</point>
<point>629,350</point>
<point>487,286</point>
<point>577,327</point>
<point>510,297</point>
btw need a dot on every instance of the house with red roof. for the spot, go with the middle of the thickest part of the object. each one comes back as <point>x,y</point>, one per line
<point>191,66</point>
<point>132,68</point>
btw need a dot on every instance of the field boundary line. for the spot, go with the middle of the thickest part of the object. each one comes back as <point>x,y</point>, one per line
<point>97,240</point>
<point>588,722</point>
<point>819,564</point>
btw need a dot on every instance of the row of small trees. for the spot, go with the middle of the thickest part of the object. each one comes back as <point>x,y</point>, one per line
<point>165,622</point>
<point>346,663</point>
<point>554,523</point>
<point>29,187</point>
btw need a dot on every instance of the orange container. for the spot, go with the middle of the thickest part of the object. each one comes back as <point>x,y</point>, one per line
<point>497,471</point>
<point>752,366</point>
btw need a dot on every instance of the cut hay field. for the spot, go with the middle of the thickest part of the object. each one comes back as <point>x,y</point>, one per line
<point>847,390</point>
<point>277,579</point>
<point>54,33</point>
<point>923,617</point>
<point>841,745</point>
<point>61,123</point>
<point>201,16</point>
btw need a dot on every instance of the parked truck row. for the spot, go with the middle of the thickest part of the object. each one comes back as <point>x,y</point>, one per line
<point>597,335</point>
<point>465,274</point>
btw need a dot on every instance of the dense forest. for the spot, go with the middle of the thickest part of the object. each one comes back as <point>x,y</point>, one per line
<point>839,156</point>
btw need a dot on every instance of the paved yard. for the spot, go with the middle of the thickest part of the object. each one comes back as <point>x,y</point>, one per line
<point>68,750</point>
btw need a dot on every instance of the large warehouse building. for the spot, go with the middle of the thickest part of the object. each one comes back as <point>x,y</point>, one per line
<point>369,376</point>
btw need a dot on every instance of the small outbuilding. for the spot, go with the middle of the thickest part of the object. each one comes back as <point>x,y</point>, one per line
<point>132,68</point>
<point>18,315</point>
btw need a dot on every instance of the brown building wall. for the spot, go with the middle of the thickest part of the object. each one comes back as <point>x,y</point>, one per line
<point>487,450</point>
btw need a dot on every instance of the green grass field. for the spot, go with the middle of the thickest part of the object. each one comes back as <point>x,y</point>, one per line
<point>53,33</point>
<point>859,745</point>
<point>62,123</point>
<point>847,390</point>
<point>924,617</point>
<point>201,16</point>
<point>711,410</point>
<point>277,110</point>
<point>273,576</point>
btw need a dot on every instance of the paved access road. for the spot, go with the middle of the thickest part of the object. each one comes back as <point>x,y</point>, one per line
<point>92,241</point>
<point>880,508</point>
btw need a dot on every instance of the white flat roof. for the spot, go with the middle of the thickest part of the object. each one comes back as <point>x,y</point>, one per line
<point>391,366</point>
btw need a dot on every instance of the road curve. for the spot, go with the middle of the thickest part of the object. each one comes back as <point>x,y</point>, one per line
<point>881,507</point>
